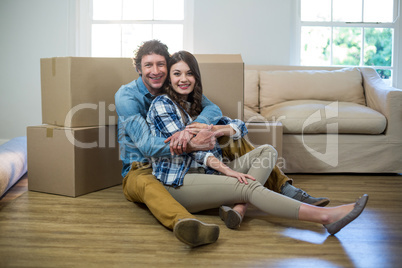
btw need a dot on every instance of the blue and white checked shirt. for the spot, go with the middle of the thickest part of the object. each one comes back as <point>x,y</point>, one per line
<point>164,119</point>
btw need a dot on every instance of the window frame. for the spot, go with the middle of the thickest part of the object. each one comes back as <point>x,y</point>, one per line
<point>333,24</point>
<point>84,23</point>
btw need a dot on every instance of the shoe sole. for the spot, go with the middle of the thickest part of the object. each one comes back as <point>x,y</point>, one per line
<point>321,203</point>
<point>231,217</point>
<point>196,233</point>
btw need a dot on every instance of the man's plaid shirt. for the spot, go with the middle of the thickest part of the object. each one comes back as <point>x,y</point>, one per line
<point>164,119</point>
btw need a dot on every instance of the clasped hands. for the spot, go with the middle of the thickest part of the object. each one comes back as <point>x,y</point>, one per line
<point>195,137</point>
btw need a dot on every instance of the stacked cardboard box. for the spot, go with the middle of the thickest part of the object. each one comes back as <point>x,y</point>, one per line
<point>72,161</point>
<point>76,152</point>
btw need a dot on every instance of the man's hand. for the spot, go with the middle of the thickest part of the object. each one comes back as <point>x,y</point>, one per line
<point>196,127</point>
<point>205,140</point>
<point>179,141</point>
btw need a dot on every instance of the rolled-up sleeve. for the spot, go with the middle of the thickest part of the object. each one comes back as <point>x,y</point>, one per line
<point>238,126</point>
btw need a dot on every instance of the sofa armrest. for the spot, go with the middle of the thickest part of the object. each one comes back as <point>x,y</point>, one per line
<point>384,99</point>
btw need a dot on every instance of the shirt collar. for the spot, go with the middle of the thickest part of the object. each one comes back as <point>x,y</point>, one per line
<point>143,89</point>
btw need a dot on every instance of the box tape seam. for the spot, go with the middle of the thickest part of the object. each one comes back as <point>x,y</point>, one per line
<point>54,66</point>
<point>49,131</point>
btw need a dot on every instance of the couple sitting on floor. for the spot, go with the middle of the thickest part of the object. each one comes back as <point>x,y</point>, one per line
<point>164,118</point>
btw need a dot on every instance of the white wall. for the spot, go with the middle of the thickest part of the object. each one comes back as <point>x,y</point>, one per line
<point>29,30</point>
<point>260,30</point>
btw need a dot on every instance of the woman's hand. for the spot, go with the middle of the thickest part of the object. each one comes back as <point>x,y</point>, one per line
<point>241,177</point>
<point>196,127</point>
<point>216,164</point>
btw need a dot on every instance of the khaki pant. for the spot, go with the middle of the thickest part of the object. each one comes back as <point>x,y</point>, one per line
<point>233,149</point>
<point>141,186</point>
<point>200,191</point>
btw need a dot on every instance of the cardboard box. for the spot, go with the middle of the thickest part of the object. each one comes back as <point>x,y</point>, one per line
<point>260,133</point>
<point>72,161</point>
<point>79,91</point>
<point>223,81</point>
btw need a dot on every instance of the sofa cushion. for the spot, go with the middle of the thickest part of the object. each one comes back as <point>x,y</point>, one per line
<point>313,117</point>
<point>251,116</point>
<point>251,90</point>
<point>339,85</point>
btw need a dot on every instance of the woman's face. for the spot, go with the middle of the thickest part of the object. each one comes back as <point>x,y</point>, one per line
<point>182,79</point>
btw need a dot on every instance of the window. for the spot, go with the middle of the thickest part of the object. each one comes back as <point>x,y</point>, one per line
<point>115,28</point>
<point>348,33</point>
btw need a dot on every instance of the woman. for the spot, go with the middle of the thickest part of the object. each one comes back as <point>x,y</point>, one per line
<point>237,182</point>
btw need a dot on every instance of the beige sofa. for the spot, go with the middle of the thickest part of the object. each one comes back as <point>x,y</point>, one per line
<point>334,119</point>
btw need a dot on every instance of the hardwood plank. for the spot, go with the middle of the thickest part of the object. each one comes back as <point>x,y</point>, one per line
<point>103,229</point>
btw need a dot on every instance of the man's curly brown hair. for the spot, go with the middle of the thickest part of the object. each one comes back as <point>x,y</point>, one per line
<point>148,48</point>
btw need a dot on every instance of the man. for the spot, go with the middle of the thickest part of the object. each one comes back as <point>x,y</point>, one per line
<point>137,145</point>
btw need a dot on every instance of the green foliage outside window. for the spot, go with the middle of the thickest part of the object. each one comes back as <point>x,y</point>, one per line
<point>377,50</point>
<point>347,47</point>
<point>378,47</point>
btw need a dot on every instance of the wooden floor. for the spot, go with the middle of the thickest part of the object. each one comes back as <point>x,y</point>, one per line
<point>102,229</point>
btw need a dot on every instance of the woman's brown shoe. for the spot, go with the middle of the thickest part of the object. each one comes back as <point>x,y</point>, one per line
<point>335,227</point>
<point>231,217</point>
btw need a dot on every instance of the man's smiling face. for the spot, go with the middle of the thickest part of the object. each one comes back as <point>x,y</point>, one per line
<point>154,72</point>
